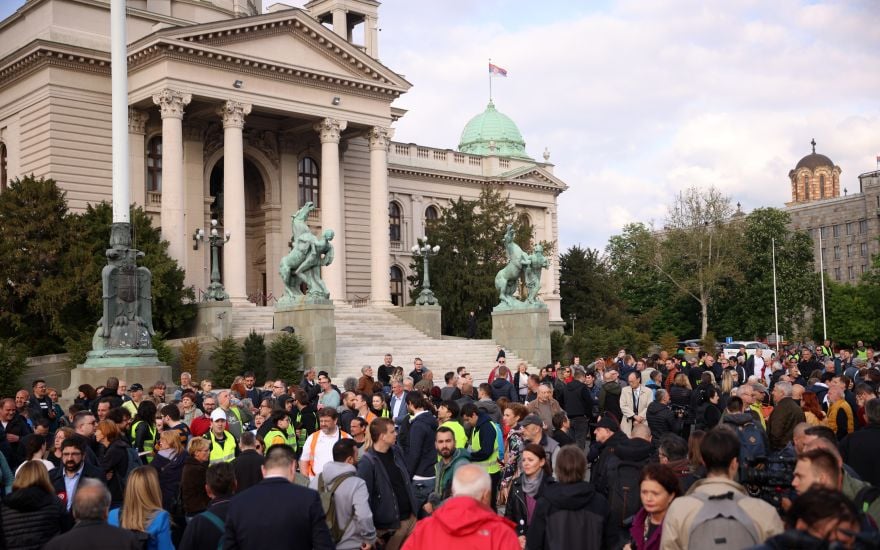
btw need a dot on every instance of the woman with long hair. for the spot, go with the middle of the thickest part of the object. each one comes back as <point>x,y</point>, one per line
<point>113,458</point>
<point>379,406</point>
<point>658,487</point>
<point>144,430</point>
<point>521,381</point>
<point>680,399</point>
<point>55,454</point>
<point>812,409</point>
<point>32,514</point>
<point>142,509</point>
<point>513,443</point>
<point>35,449</point>
<point>168,463</point>
<point>86,396</point>
<point>527,487</point>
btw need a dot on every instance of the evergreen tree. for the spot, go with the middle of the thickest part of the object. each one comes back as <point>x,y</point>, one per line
<point>255,356</point>
<point>285,352</point>
<point>227,362</point>
<point>13,364</point>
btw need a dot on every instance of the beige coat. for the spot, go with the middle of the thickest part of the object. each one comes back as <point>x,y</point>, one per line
<point>628,408</point>
<point>677,523</point>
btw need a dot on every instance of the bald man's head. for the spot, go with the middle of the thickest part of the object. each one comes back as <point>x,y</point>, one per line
<point>472,481</point>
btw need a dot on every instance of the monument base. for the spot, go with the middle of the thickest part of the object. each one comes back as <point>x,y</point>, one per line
<point>316,327</point>
<point>214,319</point>
<point>131,370</point>
<point>425,318</point>
<point>526,332</point>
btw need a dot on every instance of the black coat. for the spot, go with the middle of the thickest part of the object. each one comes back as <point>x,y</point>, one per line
<point>31,517</point>
<point>251,524</point>
<point>577,399</point>
<point>200,533</point>
<point>95,535</point>
<point>860,450</point>
<point>571,515</point>
<point>170,472</point>
<point>192,486</point>
<point>56,476</point>
<point>661,420</point>
<point>420,453</point>
<point>248,469</point>
<point>114,459</point>
<point>517,509</point>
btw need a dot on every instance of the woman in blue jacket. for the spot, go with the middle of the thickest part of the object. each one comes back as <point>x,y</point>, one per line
<point>142,509</point>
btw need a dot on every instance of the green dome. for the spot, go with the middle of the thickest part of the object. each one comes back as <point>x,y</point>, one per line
<point>492,133</point>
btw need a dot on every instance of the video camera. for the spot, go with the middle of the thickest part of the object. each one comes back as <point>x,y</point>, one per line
<point>768,478</point>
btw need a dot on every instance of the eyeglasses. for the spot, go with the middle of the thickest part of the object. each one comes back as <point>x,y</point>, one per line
<point>278,387</point>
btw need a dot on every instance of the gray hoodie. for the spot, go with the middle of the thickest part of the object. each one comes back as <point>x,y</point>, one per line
<point>351,499</point>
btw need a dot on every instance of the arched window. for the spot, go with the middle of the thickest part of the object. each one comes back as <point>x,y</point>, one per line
<point>431,214</point>
<point>154,165</point>
<point>4,176</point>
<point>822,187</point>
<point>394,220</point>
<point>309,182</point>
<point>806,187</point>
<point>396,285</point>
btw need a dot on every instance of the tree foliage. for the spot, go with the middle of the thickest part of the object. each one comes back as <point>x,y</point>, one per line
<point>13,364</point>
<point>227,362</point>
<point>470,236</point>
<point>285,353</point>
<point>51,298</point>
<point>190,354</point>
<point>254,349</point>
<point>588,289</point>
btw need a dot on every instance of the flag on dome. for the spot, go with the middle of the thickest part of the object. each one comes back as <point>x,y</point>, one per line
<point>496,70</point>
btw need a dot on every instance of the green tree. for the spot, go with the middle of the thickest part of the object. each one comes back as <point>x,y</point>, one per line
<point>851,312</point>
<point>13,364</point>
<point>227,362</point>
<point>254,348</point>
<point>588,289</point>
<point>469,234</point>
<point>190,354</point>
<point>285,353</point>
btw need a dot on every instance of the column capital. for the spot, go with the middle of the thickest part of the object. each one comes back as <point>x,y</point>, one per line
<point>137,121</point>
<point>233,113</point>
<point>171,102</point>
<point>330,129</point>
<point>380,138</point>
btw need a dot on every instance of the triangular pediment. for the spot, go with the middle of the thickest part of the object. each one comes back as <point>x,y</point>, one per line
<point>289,38</point>
<point>535,175</point>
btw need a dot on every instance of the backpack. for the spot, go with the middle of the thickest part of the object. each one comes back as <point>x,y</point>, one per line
<point>329,504</point>
<point>624,498</point>
<point>721,523</point>
<point>751,440</point>
<point>218,523</point>
<point>866,497</point>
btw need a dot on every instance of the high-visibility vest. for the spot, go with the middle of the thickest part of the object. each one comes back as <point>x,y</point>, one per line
<point>302,433</point>
<point>221,453</point>
<point>491,463</point>
<point>274,434</point>
<point>458,432</point>
<point>149,444</point>
<point>314,446</point>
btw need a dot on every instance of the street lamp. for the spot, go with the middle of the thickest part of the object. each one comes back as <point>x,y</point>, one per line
<point>572,317</point>
<point>425,250</point>
<point>216,292</point>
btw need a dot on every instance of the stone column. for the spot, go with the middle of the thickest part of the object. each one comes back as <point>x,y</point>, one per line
<point>380,244</point>
<point>137,129</point>
<point>198,263</point>
<point>171,103</point>
<point>332,204</point>
<point>234,252</point>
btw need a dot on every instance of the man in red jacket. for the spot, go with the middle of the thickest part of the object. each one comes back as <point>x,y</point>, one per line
<point>465,520</point>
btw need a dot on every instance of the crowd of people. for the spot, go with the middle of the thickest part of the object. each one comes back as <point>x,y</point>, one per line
<point>669,451</point>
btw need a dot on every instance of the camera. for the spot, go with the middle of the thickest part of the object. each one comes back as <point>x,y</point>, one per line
<point>768,478</point>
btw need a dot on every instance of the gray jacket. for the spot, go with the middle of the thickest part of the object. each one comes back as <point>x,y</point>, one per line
<point>352,506</point>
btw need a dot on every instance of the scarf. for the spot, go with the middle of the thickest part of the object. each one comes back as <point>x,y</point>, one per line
<point>168,453</point>
<point>531,486</point>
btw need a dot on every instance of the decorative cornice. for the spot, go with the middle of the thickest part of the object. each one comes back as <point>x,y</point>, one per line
<point>233,113</point>
<point>474,180</point>
<point>137,121</point>
<point>172,102</point>
<point>380,138</point>
<point>40,54</point>
<point>330,129</point>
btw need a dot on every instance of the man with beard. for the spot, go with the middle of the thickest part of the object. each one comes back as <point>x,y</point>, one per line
<point>66,480</point>
<point>451,458</point>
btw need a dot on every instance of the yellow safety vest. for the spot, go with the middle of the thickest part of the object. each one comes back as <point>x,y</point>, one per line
<point>458,432</point>
<point>491,463</point>
<point>224,453</point>
<point>149,444</point>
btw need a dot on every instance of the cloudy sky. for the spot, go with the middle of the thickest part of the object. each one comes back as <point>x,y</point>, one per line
<point>637,100</point>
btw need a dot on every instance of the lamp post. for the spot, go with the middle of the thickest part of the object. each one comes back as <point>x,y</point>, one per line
<point>572,317</point>
<point>216,292</point>
<point>423,249</point>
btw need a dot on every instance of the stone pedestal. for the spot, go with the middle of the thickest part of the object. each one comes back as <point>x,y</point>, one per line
<point>524,331</point>
<point>424,318</point>
<point>124,370</point>
<point>214,319</point>
<point>316,327</point>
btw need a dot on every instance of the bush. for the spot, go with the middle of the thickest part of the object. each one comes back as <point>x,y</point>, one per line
<point>557,347</point>
<point>285,352</point>
<point>190,353</point>
<point>669,343</point>
<point>227,362</point>
<point>13,364</point>
<point>78,349</point>
<point>163,350</point>
<point>255,356</point>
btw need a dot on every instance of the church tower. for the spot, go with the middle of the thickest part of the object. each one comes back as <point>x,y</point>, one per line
<point>814,178</point>
<point>347,18</point>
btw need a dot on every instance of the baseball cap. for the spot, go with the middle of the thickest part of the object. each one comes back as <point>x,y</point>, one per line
<point>136,387</point>
<point>532,420</point>
<point>218,414</point>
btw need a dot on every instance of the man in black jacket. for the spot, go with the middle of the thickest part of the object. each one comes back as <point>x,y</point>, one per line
<point>90,508</point>
<point>861,448</point>
<point>660,417</point>
<point>67,480</point>
<point>302,526</point>
<point>203,532</point>
<point>248,465</point>
<point>15,427</point>
<point>420,454</point>
<point>578,404</point>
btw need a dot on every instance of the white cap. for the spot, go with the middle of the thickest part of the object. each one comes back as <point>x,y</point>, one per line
<point>218,414</point>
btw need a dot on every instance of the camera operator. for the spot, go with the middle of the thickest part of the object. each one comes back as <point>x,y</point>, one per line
<point>818,517</point>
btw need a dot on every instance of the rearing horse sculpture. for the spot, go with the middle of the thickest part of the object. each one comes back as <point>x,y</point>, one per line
<point>507,279</point>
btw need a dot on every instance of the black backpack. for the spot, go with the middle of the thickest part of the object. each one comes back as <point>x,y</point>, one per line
<point>624,496</point>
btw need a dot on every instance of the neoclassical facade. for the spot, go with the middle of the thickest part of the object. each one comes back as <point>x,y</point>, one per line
<point>242,117</point>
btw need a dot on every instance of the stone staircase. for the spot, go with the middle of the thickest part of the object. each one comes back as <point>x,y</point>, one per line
<point>365,334</point>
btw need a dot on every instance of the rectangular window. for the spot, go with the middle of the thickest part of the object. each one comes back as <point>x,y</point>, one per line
<point>864,269</point>
<point>850,228</point>
<point>863,227</point>
<point>837,273</point>
<point>836,231</point>
<point>849,250</point>
<point>824,256</point>
<point>863,249</point>
<point>851,272</point>
<point>836,252</point>
<point>824,232</point>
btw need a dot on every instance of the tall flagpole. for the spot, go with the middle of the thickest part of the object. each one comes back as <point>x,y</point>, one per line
<point>775,308</point>
<point>119,111</point>
<point>822,279</point>
<point>490,80</point>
